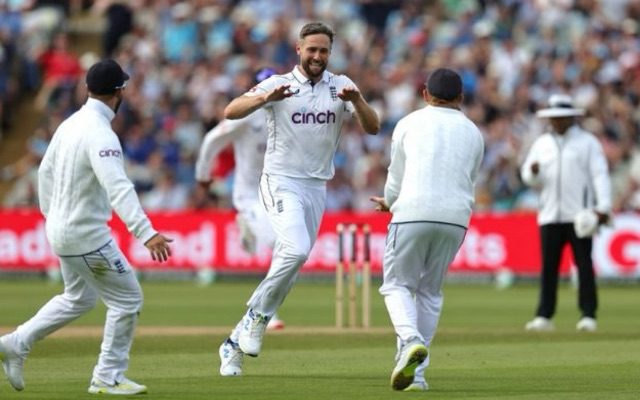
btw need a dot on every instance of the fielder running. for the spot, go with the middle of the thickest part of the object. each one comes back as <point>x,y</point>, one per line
<point>305,110</point>
<point>80,180</point>
<point>435,157</point>
<point>249,138</point>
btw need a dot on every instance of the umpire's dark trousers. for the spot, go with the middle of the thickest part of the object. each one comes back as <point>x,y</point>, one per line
<point>553,238</point>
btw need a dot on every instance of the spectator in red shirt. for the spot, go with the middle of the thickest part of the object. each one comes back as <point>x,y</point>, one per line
<point>60,69</point>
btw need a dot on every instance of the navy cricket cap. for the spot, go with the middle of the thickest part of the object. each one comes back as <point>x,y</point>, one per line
<point>262,74</point>
<point>444,84</point>
<point>105,77</point>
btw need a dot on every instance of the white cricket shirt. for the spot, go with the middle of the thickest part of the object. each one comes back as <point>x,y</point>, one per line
<point>81,178</point>
<point>249,138</point>
<point>436,153</point>
<point>304,129</point>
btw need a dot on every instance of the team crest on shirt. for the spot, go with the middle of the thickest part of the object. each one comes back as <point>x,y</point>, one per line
<point>334,93</point>
<point>119,266</point>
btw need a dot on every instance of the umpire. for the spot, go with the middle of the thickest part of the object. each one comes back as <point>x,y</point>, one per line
<point>568,167</point>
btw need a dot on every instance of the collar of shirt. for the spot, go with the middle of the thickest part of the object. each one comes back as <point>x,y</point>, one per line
<point>100,108</point>
<point>443,109</point>
<point>303,79</point>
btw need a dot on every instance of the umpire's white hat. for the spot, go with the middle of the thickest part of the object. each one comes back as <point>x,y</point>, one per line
<point>560,106</point>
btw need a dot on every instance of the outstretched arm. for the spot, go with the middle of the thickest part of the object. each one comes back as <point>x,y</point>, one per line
<point>214,141</point>
<point>244,105</point>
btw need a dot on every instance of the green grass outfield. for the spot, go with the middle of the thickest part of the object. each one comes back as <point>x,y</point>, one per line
<point>480,352</point>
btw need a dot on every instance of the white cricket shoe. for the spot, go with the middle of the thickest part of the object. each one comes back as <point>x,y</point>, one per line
<point>413,353</point>
<point>253,326</point>
<point>12,360</point>
<point>587,324</point>
<point>417,386</point>
<point>126,387</point>
<point>540,324</point>
<point>230,358</point>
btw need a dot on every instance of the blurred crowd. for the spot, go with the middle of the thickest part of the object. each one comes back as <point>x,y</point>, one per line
<point>187,59</point>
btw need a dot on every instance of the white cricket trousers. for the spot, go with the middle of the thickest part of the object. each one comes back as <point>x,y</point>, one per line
<point>103,273</point>
<point>295,207</point>
<point>416,258</point>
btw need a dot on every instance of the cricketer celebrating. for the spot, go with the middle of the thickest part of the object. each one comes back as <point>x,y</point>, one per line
<point>80,180</point>
<point>249,138</point>
<point>305,110</point>
<point>435,157</point>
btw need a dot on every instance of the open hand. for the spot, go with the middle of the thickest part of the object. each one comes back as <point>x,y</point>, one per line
<point>280,93</point>
<point>381,205</point>
<point>349,93</point>
<point>159,247</point>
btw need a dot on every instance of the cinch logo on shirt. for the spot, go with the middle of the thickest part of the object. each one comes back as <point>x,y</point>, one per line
<point>110,153</point>
<point>324,117</point>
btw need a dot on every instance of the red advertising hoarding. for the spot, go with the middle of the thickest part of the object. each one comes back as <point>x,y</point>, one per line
<point>493,242</point>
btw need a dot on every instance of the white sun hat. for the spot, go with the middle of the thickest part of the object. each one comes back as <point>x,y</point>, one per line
<point>560,105</point>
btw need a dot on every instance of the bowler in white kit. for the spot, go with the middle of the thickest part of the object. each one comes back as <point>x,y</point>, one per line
<point>436,153</point>
<point>80,181</point>
<point>249,139</point>
<point>305,111</point>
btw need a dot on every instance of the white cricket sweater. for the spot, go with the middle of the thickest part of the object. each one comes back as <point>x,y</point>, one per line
<point>81,179</point>
<point>435,157</point>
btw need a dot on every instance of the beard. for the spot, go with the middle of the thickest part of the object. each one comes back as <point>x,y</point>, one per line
<point>306,66</point>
